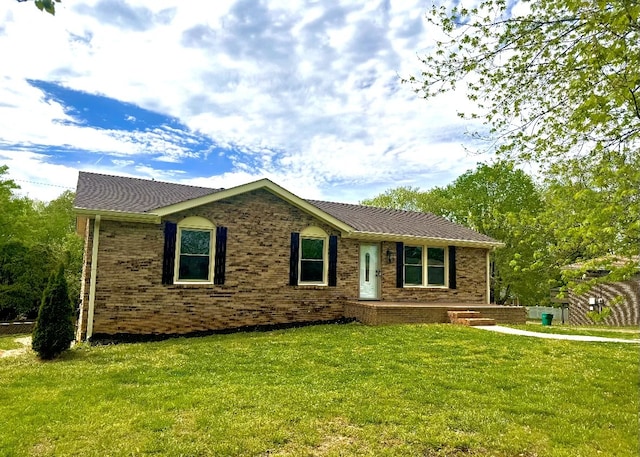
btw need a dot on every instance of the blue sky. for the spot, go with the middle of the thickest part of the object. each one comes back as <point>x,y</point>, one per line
<point>305,93</point>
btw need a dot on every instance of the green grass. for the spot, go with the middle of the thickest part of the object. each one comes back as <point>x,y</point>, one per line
<point>8,342</point>
<point>330,390</point>
<point>606,332</point>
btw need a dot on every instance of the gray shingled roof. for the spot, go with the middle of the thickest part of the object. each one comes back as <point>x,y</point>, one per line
<point>132,195</point>
<point>398,222</point>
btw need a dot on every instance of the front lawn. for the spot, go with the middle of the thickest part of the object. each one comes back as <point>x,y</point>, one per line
<point>329,390</point>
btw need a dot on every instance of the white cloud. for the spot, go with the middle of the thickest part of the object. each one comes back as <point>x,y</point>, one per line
<point>308,94</point>
<point>38,179</point>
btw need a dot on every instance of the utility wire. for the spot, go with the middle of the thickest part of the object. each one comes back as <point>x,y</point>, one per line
<point>43,184</point>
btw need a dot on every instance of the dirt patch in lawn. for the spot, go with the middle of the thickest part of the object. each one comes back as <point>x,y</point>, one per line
<point>26,343</point>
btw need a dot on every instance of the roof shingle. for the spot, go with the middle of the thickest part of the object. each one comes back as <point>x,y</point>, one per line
<point>116,193</point>
<point>132,195</point>
<point>398,222</point>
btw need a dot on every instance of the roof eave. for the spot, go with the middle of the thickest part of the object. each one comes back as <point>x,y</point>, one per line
<point>374,236</point>
<point>118,215</point>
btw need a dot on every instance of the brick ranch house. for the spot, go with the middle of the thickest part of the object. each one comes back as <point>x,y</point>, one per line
<point>163,258</point>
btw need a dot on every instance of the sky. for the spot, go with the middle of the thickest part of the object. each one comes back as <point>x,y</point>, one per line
<point>305,93</point>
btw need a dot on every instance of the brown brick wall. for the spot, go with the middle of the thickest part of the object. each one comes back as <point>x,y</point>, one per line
<point>471,270</point>
<point>131,299</point>
<point>504,314</point>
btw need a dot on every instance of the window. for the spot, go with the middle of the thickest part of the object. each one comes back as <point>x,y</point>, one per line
<point>313,256</point>
<point>413,265</point>
<point>312,260</point>
<point>194,250</point>
<point>416,258</point>
<point>435,267</point>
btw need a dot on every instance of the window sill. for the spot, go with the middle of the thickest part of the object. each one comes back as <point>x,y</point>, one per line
<point>193,283</point>
<point>409,286</point>
<point>312,286</point>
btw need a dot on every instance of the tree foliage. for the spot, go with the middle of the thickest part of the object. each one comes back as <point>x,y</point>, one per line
<point>45,5</point>
<point>556,82</point>
<point>13,209</point>
<point>590,216</point>
<point>550,78</point>
<point>34,238</point>
<point>54,330</point>
<point>434,201</point>
<point>24,271</point>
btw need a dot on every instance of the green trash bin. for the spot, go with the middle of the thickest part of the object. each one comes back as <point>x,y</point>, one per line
<point>547,318</point>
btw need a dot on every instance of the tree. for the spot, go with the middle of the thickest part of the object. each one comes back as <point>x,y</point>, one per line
<point>591,214</point>
<point>24,271</point>
<point>57,229</point>
<point>34,238</point>
<point>54,330</point>
<point>556,82</point>
<point>560,78</point>
<point>500,201</point>
<point>435,200</point>
<point>12,208</point>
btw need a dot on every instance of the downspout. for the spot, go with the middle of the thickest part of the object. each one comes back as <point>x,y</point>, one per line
<point>83,286</point>
<point>94,273</point>
<point>488,277</point>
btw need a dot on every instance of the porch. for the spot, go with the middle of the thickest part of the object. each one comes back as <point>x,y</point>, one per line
<point>382,312</point>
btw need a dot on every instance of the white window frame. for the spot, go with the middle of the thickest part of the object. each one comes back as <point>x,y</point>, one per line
<point>315,233</point>
<point>425,267</point>
<point>200,224</point>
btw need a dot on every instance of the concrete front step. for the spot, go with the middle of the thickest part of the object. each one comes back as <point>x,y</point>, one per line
<point>469,318</point>
<point>455,315</point>
<point>471,321</point>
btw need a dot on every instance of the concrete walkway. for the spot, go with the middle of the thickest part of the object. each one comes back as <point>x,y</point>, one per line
<point>553,336</point>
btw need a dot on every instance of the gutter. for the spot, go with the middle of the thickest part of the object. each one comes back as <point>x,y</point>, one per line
<point>125,216</point>
<point>375,236</point>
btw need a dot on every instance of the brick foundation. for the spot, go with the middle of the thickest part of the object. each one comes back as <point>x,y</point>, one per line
<point>380,313</point>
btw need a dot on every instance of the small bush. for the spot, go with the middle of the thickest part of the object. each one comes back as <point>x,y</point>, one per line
<point>54,328</point>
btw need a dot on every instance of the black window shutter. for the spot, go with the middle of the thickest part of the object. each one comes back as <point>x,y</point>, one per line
<point>333,261</point>
<point>168,260</point>
<point>399,264</point>
<point>221,255</point>
<point>293,259</point>
<point>452,267</point>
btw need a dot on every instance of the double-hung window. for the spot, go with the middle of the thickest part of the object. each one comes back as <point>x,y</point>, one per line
<point>195,250</point>
<point>413,265</point>
<point>312,260</point>
<point>313,256</point>
<point>424,266</point>
<point>435,267</point>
